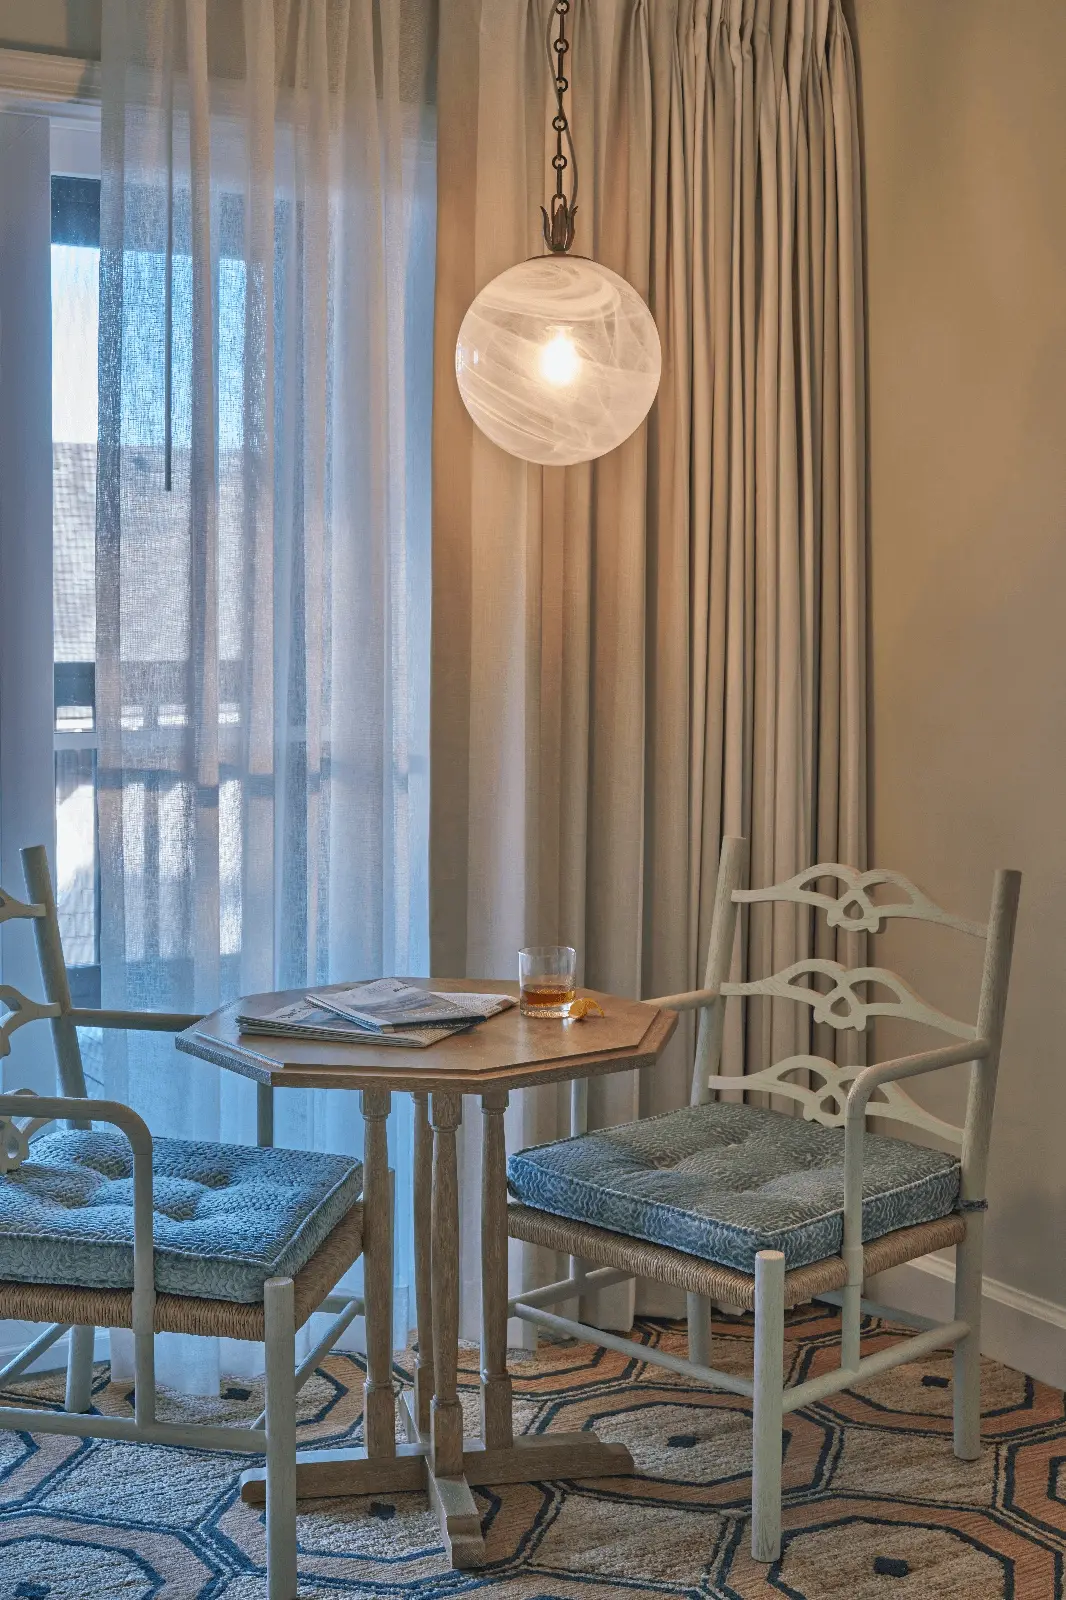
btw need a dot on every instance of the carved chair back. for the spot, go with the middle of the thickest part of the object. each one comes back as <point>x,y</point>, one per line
<point>844,997</point>
<point>19,1009</point>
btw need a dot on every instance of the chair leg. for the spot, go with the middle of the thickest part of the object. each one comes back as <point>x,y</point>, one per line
<point>699,1330</point>
<point>767,1418</point>
<point>967,1359</point>
<point>279,1316</point>
<point>80,1370</point>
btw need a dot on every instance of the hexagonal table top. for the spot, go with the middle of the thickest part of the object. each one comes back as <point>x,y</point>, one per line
<point>508,1051</point>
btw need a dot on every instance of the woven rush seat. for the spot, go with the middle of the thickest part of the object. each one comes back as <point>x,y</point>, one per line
<point>722,1182</point>
<point>226,1217</point>
<point>174,1313</point>
<point>698,1277</point>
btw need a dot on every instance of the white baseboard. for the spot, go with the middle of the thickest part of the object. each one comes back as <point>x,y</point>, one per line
<point>1019,1329</point>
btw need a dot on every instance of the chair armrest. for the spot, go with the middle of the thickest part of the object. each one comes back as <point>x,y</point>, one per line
<point>52,1108</point>
<point>948,1055</point>
<point>134,1021</point>
<point>862,1088</point>
<point>690,1000</point>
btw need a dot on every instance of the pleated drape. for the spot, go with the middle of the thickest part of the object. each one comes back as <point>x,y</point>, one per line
<point>631,659</point>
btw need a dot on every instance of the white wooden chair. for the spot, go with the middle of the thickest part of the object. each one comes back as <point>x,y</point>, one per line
<point>252,1263</point>
<point>716,1199</point>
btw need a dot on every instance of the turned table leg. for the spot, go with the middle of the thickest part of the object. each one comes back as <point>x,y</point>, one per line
<point>379,1403</point>
<point>495,1383</point>
<point>423,1212</point>
<point>436,1457</point>
<point>446,1412</point>
<point>446,1485</point>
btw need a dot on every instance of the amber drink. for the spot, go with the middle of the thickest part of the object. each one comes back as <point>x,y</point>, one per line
<point>546,979</point>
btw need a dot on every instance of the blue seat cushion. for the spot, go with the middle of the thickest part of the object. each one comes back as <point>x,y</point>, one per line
<point>227,1217</point>
<point>723,1182</point>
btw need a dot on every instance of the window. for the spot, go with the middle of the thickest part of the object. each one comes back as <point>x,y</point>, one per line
<point>160,705</point>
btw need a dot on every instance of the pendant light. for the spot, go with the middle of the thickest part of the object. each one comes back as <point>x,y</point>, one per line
<point>558,358</point>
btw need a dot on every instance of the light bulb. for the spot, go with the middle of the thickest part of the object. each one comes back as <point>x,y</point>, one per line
<point>558,360</point>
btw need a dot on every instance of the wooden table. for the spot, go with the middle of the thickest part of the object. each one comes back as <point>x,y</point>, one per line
<point>507,1052</point>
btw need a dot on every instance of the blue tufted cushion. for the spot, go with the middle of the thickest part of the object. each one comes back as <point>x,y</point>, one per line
<point>227,1217</point>
<point>725,1181</point>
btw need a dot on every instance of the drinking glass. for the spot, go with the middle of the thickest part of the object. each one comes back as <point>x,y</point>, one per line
<point>546,979</point>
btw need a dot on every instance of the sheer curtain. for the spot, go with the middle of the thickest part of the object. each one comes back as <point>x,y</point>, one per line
<point>266,270</point>
<point>633,658</point>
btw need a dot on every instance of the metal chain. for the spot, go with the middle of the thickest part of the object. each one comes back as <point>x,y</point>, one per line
<point>559,225</point>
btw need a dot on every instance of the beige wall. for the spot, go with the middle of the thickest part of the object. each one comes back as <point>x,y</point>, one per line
<point>55,27</point>
<point>72,28</point>
<point>965,145</point>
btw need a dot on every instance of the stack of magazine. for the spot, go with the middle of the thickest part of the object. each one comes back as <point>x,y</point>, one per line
<point>381,1011</point>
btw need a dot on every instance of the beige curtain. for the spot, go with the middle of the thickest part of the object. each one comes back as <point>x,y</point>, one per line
<point>632,658</point>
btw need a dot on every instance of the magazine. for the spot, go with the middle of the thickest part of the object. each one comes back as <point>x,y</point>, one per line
<point>387,1003</point>
<point>307,1019</point>
<point>300,1019</point>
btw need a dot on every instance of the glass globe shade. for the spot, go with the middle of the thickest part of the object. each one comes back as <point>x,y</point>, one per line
<point>558,360</point>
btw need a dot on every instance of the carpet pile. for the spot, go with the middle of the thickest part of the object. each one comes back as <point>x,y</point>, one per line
<point>876,1505</point>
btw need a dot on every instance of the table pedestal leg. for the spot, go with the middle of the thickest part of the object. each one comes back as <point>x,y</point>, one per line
<point>448,1490</point>
<point>379,1403</point>
<point>423,1223</point>
<point>446,1412</point>
<point>532,1458</point>
<point>495,1382</point>
<point>436,1458</point>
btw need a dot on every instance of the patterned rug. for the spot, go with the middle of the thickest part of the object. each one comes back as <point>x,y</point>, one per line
<point>877,1506</point>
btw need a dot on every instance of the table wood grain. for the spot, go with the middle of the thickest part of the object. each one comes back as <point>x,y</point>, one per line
<point>508,1051</point>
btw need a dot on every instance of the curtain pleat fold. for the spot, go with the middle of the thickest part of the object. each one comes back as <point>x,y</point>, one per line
<point>667,645</point>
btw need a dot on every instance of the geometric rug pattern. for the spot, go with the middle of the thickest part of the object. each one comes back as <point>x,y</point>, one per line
<point>876,1505</point>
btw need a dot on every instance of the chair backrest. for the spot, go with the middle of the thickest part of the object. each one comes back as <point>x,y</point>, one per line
<point>40,909</point>
<point>844,997</point>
